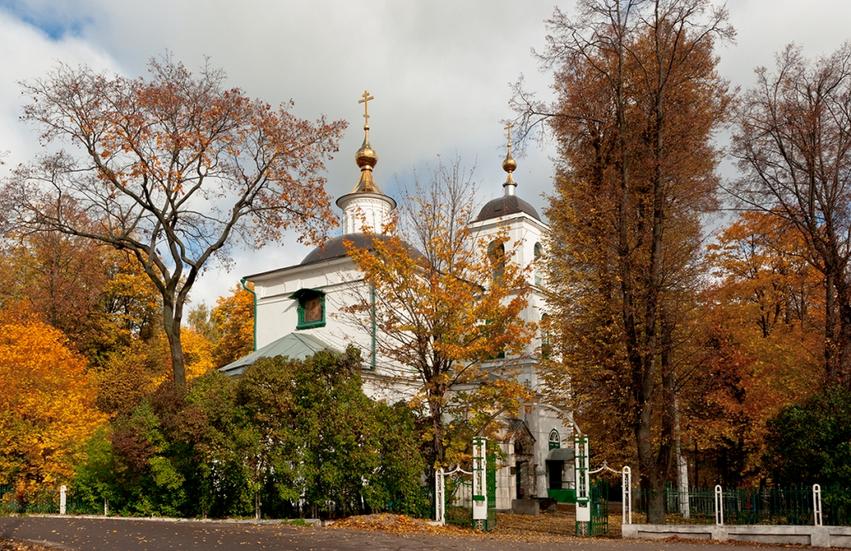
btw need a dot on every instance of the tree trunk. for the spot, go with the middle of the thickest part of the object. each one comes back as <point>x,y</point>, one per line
<point>681,465</point>
<point>437,436</point>
<point>652,485</point>
<point>172,315</point>
<point>667,446</point>
<point>829,321</point>
<point>844,352</point>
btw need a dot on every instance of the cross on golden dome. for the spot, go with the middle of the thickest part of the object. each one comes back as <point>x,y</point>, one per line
<point>365,157</point>
<point>365,98</point>
<point>509,164</point>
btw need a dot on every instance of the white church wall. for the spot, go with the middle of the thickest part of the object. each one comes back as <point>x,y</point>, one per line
<point>505,480</point>
<point>277,315</point>
<point>548,420</point>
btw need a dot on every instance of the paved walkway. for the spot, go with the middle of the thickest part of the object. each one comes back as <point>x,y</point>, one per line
<point>131,535</point>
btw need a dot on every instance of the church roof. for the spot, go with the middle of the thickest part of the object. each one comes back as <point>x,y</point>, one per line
<point>297,346</point>
<point>507,204</point>
<point>334,248</point>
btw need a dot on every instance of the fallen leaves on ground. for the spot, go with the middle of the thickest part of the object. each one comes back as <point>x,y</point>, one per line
<point>9,545</point>
<point>394,524</point>
<point>547,528</point>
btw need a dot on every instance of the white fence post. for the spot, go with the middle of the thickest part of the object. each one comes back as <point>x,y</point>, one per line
<point>63,497</point>
<point>719,505</point>
<point>817,504</point>
<point>626,489</point>
<point>439,499</point>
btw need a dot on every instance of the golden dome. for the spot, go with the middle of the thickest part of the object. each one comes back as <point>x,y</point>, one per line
<point>509,164</point>
<point>366,156</point>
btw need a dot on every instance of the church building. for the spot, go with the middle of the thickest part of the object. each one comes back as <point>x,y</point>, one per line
<point>299,311</point>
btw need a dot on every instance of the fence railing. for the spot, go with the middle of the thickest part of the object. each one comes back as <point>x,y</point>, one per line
<point>45,503</point>
<point>796,505</point>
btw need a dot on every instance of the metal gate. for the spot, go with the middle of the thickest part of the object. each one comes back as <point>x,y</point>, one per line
<point>599,525</point>
<point>491,483</point>
<point>457,495</point>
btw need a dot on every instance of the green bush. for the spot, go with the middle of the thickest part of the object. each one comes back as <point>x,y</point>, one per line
<point>811,443</point>
<point>294,437</point>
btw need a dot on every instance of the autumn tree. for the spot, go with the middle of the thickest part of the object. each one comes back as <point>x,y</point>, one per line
<point>229,326</point>
<point>172,169</point>
<point>793,144</point>
<point>233,324</point>
<point>130,373</point>
<point>638,101</point>
<point>755,342</point>
<point>60,277</point>
<point>760,265</point>
<point>47,407</point>
<point>98,297</point>
<point>442,306</point>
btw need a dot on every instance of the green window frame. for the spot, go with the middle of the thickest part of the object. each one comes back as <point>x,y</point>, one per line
<point>305,297</point>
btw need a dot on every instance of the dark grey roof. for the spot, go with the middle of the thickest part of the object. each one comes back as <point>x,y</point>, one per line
<point>297,346</point>
<point>334,248</point>
<point>507,204</point>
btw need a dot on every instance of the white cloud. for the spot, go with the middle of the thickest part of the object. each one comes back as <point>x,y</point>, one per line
<point>439,71</point>
<point>29,53</point>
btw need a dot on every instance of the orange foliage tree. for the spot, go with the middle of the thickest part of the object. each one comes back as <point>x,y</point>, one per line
<point>441,313</point>
<point>639,99</point>
<point>169,169</point>
<point>793,143</point>
<point>759,334</point>
<point>47,407</point>
<point>233,324</point>
<point>99,298</point>
<point>131,373</point>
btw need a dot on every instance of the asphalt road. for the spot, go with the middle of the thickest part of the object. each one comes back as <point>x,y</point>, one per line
<point>131,535</point>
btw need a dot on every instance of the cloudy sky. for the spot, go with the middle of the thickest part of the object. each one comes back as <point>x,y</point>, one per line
<point>439,70</point>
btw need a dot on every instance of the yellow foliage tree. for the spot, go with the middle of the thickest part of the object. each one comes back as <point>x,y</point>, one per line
<point>233,324</point>
<point>47,407</point>
<point>446,310</point>
<point>137,370</point>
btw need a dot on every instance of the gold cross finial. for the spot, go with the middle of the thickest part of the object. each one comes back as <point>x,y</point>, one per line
<point>509,164</point>
<point>365,98</point>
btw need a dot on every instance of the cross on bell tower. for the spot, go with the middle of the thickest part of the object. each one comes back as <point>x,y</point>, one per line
<point>509,165</point>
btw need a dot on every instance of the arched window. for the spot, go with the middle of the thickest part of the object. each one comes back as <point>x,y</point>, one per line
<point>538,252</point>
<point>546,341</point>
<point>496,254</point>
<point>555,439</point>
